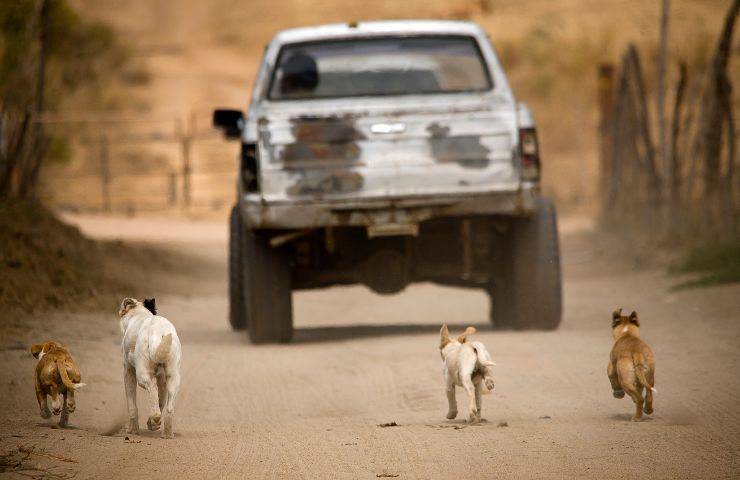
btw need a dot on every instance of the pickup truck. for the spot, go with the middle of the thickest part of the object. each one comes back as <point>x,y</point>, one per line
<point>387,153</point>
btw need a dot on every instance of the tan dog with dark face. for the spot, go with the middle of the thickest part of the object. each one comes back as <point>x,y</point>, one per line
<point>56,375</point>
<point>631,364</point>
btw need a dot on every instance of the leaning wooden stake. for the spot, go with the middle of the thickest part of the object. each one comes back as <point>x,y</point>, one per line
<point>708,141</point>
<point>643,122</point>
<point>662,60</point>
<point>674,173</point>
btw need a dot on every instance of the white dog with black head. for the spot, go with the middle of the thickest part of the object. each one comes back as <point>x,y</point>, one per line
<point>151,357</point>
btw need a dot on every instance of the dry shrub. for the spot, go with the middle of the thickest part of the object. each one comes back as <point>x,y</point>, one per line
<point>46,264</point>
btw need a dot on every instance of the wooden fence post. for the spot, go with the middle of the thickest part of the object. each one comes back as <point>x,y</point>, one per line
<point>661,93</point>
<point>185,135</point>
<point>605,88</point>
<point>172,197</point>
<point>643,122</point>
<point>674,172</point>
<point>105,174</point>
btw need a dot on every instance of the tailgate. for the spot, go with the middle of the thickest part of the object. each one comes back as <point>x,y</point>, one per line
<point>381,155</point>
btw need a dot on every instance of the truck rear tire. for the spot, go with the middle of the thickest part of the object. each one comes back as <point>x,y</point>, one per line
<point>267,292</point>
<point>525,288</point>
<point>237,310</point>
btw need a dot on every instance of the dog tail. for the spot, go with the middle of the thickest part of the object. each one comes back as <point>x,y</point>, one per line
<point>484,358</point>
<point>464,335</point>
<point>163,350</point>
<point>640,369</point>
<point>65,377</point>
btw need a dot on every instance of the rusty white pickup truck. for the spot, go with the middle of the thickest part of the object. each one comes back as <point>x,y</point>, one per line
<point>386,153</point>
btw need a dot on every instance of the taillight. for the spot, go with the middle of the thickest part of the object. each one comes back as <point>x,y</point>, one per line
<point>249,167</point>
<point>530,154</point>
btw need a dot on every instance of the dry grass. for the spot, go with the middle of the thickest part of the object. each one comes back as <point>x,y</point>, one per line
<point>46,264</point>
<point>713,264</point>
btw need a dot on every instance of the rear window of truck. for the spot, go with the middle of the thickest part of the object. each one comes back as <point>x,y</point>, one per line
<point>379,66</point>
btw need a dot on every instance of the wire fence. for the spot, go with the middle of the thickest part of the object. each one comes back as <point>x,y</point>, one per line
<point>124,164</point>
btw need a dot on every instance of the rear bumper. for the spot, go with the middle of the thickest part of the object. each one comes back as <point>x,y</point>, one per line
<point>384,211</point>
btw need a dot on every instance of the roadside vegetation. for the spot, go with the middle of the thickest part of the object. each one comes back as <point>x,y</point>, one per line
<point>46,264</point>
<point>50,57</point>
<point>709,265</point>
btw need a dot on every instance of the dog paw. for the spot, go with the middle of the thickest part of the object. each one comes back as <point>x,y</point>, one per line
<point>637,419</point>
<point>154,422</point>
<point>489,384</point>
<point>451,414</point>
<point>45,413</point>
<point>133,426</point>
<point>618,393</point>
<point>474,417</point>
<point>647,409</point>
<point>167,430</point>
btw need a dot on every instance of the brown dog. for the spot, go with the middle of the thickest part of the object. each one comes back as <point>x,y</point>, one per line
<point>631,364</point>
<point>56,373</point>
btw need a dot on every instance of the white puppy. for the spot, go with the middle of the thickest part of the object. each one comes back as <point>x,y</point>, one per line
<point>151,358</point>
<point>467,365</point>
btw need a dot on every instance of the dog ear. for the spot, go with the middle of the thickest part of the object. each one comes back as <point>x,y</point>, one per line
<point>463,336</point>
<point>36,349</point>
<point>151,305</point>
<point>616,316</point>
<point>444,336</point>
<point>126,305</point>
<point>633,318</point>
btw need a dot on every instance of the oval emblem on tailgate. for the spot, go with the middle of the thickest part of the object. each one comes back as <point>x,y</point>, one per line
<point>388,128</point>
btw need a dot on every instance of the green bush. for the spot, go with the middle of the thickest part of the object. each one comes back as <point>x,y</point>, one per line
<point>79,52</point>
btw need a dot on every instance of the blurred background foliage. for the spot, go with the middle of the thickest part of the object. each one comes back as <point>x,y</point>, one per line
<point>79,55</point>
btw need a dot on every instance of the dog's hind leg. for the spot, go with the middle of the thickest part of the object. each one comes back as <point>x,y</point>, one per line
<point>648,408</point>
<point>148,382</point>
<point>173,386</point>
<point>71,402</point>
<point>636,396</point>
<point>478,395</point>
<point>162,388</point>
<point>41,398</point>
<point>473,416</point>
<point>64,418</point>
<point>129,380</point>
<point>617,390</point>
<point>451,400</point>
<point>56,401</point>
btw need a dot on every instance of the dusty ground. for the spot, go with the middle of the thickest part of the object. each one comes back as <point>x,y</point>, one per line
<point>312,409</point>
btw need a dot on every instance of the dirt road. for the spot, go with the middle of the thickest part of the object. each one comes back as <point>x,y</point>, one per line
<point>312,409</point>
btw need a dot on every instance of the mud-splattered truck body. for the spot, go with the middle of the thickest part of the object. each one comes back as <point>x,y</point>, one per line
<point>387,153</point>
